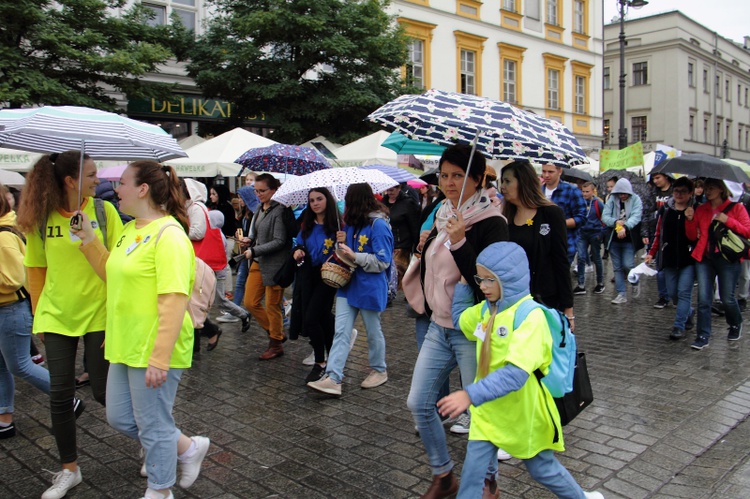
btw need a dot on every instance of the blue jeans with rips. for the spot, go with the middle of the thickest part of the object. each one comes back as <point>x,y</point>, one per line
<point>707,271</point>
<point>679,282</point>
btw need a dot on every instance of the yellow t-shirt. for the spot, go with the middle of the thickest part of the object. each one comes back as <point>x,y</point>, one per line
<point>138,270</point>
<point>73,300</point>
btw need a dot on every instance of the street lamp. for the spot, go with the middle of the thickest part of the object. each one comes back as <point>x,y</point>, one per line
<point>624,4</point>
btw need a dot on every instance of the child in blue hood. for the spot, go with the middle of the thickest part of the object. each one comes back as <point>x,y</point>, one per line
<point>509,408</point>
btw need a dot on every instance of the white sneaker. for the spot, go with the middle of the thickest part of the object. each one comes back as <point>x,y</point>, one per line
<point>62,482</point>
<point>593,495</point>
<point>462,424</point>
<point>589,268</point>
<point>310,359</point>
<point>326,384</point>
<point>190,467</point>
<point>226,317</point>
<point>502,455</point>
<point>354,338</point>
<point>375,379</point>
<point>619,299</point>
<point>152,494</point>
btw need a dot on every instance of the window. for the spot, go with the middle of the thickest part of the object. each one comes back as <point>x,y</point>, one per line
<point>691,126</point>
<point>509,5</point>
<point>717,86</point>
<point>690,75</point>
<point>705,131</point>
<point>511,59</point>
<point>416,71</point>
<point>415,64</point>
<point>580,97</point>
<point>606,79</point>
<point>160,14</point>
<point>638,128</point>
<point>747,140</point>
<point>727,135</point>
<point>605,131</point>
<point>640,73</point>
<point>705,80</point>
<point>727,93</point>
<point>552,12</point>
<point>739,137</point>
<point>579,17</point>
<point>718,132</point>
<point>185,10</point>
<point>553,89</point>
<point>739,94</point>
<point>469,62</point>
<point>532,9</point>
<point>468,72</point>
<point>509,81</point>
<point>745,96</point>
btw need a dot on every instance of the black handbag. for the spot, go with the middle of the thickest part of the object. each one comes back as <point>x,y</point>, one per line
<point>284,277</point>
<point>572,403</point>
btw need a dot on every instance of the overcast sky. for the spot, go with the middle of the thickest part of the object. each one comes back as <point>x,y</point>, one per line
<point>729,18</point>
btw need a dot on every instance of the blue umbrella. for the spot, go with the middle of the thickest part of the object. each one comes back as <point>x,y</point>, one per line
<point>403,145</point>
<point>398,174</point>
<point>283,158</point>
<point>500,130</point>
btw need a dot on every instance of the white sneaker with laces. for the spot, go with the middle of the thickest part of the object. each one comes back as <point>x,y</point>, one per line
<point>462,424</point>
<point>593,495</point>
<point>375,379</point>
<point>619,299</point>
<point>190,467</point>
<point>152,494</point>
<point>502,455</point>
<point>226,317</point>
<point>326,385</point>
<point>309,360</point>
<point>62,482</point>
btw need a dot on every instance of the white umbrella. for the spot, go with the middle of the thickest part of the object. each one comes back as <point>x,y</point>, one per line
<point>337,180</point>
<point>12,179</point>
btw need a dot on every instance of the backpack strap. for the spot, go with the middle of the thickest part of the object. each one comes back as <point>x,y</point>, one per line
<point>728,208</point>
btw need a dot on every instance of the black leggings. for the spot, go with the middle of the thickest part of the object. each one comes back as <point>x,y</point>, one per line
<point>319,320</point>
<point>61,359</point>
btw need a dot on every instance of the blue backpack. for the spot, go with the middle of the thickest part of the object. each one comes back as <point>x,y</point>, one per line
<point>559,379</point>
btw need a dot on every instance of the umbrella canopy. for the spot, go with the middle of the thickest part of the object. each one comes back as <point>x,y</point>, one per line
<point>283,158</point>
<point>574,174</point>
<point>100,134</point>
<point>502,131</point>
<point>337,180</point>
<point>216,156</point>
<point>11,179</point>
<point>702,165</point>
<point>398,174</point>
<point>111,172</point>
<point>416,183</point>
<point>431,176</point>
<point>740,164</point>
<point>404,145</point>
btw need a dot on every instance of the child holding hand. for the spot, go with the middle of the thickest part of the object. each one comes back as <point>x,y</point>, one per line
<point>510,409</point>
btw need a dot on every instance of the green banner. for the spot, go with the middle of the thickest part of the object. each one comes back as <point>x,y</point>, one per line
<point>619,159</point>
<point>184,106</point>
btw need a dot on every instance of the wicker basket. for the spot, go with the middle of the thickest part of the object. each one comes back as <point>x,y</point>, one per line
<point>334,275</point>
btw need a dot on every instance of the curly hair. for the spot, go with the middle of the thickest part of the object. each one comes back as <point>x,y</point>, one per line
<point>529,188</point>
<point>45,188</point>
<point>360,201</point>
<point>164,188</point>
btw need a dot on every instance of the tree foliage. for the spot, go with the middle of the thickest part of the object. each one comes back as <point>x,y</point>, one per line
<point>74,52</point>
<point>310,66</point>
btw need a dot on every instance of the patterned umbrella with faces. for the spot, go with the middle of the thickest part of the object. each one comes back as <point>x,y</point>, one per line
<point>337,180</point>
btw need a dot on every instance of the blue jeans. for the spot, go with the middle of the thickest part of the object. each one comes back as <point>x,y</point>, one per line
<point>544,468</point>
<point>421,326</point>
<point>661,285</point>
<point>623,260</point>
<point>728,273</point>
<point>15,360</point>
<point>345,316</point>
<point>145,414</point>
<point>593,239</point>
<point>443,349</point>
<point>239,285</point>
<point>679,283</point>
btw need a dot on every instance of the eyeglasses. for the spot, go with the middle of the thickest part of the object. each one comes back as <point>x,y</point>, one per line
<point>681,191</point>
<point>261,191</point>
<point>484,280</point>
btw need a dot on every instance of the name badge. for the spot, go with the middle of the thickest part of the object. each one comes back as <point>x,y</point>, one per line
<point>479,332</point>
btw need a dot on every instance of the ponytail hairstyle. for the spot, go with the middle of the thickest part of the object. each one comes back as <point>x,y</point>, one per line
<point>45,188</point>
<point>164,188</point>
<point>483,367</point>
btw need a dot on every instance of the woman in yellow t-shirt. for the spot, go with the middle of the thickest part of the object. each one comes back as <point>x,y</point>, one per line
<point>68,298</point>
<point>149,274</point>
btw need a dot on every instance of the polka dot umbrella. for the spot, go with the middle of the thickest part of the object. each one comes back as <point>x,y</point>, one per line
<point>337,180</point>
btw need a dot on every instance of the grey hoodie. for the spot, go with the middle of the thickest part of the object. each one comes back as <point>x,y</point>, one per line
<point>196,209</point>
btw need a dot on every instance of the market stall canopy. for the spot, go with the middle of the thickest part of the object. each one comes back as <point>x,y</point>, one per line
<point>216,156</point>
<point>191,141</point>
<point>366,151</point>
<point>18,161</point>
<point>11,179</point>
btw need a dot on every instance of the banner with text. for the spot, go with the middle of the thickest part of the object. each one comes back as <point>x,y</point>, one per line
<point>619,159</point>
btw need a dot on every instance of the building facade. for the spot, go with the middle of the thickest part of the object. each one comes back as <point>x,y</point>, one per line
<point>686,86</point>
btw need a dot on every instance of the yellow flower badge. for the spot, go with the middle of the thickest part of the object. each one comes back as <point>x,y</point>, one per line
<point>138,238</point>
<point>529,222</point>
<point>362,241</point>
<point>328,243</point>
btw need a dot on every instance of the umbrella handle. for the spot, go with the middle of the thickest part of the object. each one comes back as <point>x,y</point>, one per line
<point>76,221</point>
<point>468,168</point>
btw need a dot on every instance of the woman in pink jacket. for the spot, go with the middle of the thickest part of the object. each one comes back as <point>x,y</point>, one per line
<point>710,263</point>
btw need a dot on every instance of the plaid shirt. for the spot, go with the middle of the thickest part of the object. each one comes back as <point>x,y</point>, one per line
<point>569,198</point>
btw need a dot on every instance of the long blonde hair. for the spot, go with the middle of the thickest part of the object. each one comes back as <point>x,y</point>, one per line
<point>483,369</point>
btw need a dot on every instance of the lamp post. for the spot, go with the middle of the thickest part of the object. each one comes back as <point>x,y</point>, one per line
<point>624,4</point>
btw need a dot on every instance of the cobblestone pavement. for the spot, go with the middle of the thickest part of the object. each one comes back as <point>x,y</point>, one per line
<point>667,421</point>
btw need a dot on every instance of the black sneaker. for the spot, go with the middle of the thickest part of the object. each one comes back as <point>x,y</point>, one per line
<point>662,303</point>
<point>676,334</point>
<point>78,406</point>
<point>599,289</point>
<point>7,431</point>
<point>579,290</point>
<point>700,343</point>
<point>735,332</point>
<point>317,372</point>
<point>717,308</point>
<point>689,324</point>
<point>246,323</point>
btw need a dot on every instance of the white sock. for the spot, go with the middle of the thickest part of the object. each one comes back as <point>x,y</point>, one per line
<point>188,453</point>
<point>5,425</point>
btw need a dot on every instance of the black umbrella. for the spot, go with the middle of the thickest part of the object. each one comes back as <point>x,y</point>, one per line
<point>702,165</point>
<point>431,176</point>
<point>574,174</point>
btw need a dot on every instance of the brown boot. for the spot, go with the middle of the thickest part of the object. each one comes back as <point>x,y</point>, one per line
<point>274,350</point>
<point>442,487</point>
<point>491,490</point>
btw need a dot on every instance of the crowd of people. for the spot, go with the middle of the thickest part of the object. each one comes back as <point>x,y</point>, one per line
<point>466,254</point>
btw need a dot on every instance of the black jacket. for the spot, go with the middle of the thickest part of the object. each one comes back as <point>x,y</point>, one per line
<point>404,220</point>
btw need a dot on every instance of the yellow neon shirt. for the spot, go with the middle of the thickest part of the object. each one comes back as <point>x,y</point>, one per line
<point>138,270</point>
<point>522,422</point>
<point>73,299</point>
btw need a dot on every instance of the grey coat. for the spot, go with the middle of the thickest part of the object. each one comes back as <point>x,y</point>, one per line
<point>272,243</point>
